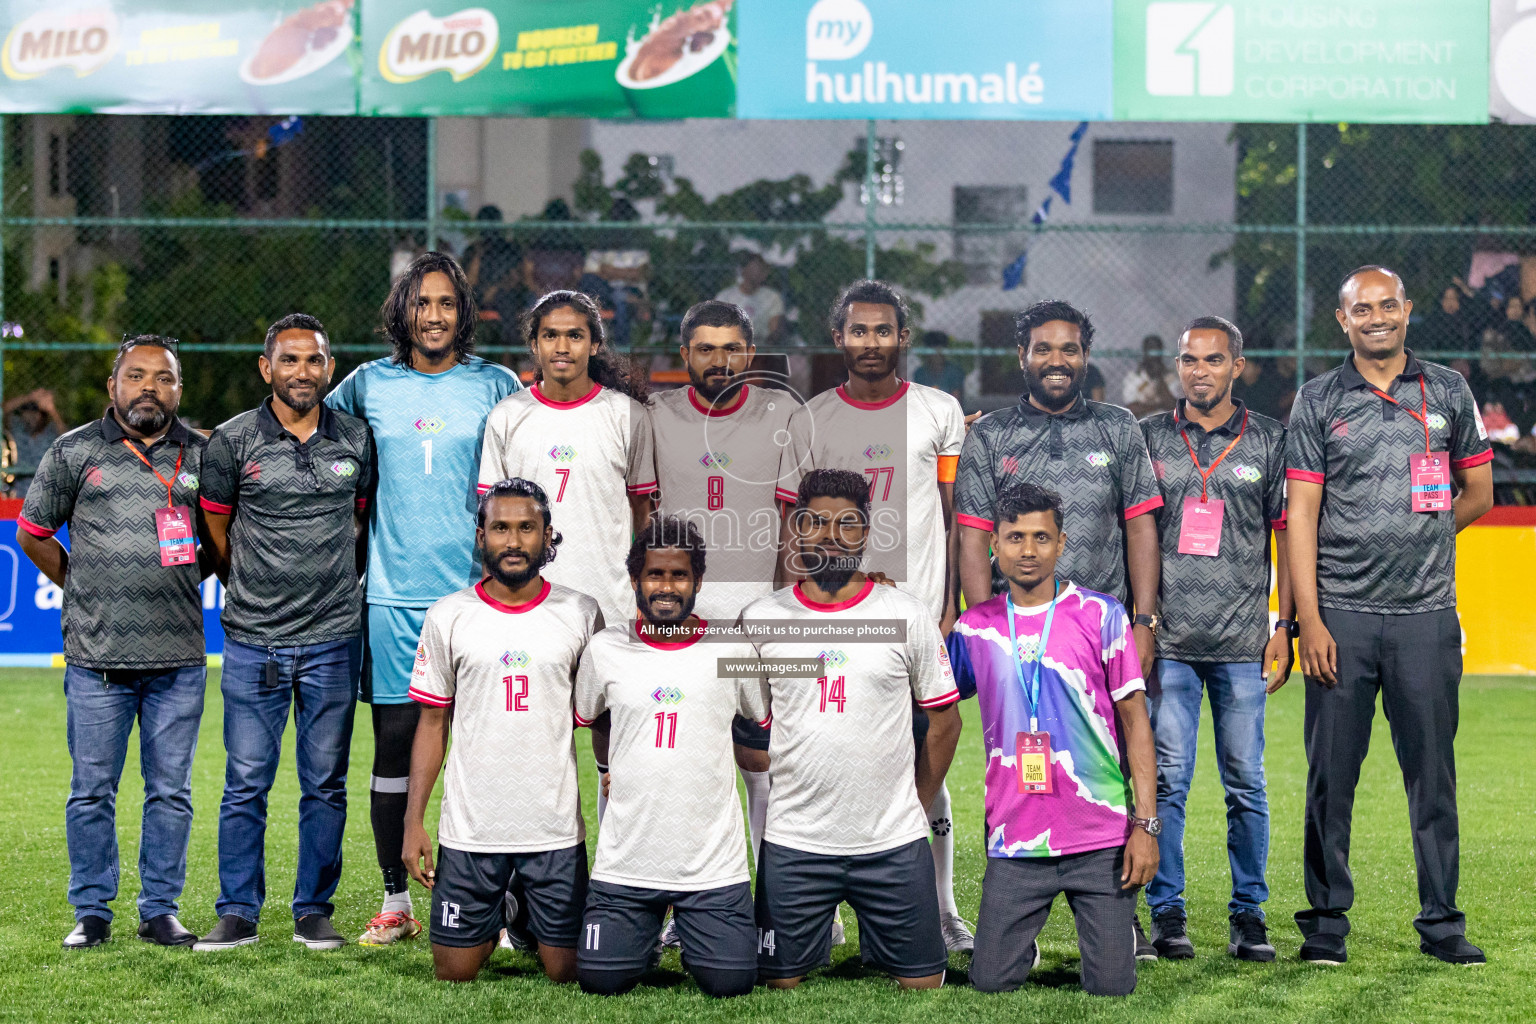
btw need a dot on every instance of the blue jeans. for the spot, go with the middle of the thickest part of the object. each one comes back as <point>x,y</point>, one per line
<point>1237,715</point>
<point>320,681</point>
<point>168,705</point>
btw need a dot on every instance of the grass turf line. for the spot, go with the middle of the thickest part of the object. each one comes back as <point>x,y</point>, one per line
<point>1386,979</point>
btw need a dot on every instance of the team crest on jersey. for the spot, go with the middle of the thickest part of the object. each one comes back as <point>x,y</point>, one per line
<point>667,695</point>
<point>1249,473</point>
<point>251,471</point>
<point>1158,469</point>
<point>421,654</point>
<point>344,468</point>
<point>1008,464</point>
<point>563,453</point>
<point>1029,648</point>
<point>877,451</point>
<point>515,659</point>
<point>429,425</point>
<point>1340,428</point>
<point>1100,459</point>
<point>833,659</point>
<point>93,476</point>
<point>187,479</point>
<point>715,460</point>
<point>1436,421</point>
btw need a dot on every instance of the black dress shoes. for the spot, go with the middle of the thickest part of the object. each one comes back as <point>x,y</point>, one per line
<point>165,930</point>
<point>89,931</point>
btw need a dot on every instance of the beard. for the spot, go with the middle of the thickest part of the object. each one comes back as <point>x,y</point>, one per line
<point>831,569</point>
<point>146,414</point>
<point>714,388</point>
<point>301,401</point>
<point>656,618</point>
<point>1038,392</point>
<point>858,367</point>
<point>1216,399</point>
<point>520,578</point>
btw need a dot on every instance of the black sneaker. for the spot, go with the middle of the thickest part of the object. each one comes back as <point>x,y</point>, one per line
<point>317,932</point>
<point>1249,939</point>
<point>1171,937</point>
<point>1144,949</point>
<point>231,931</point>
<point>1324,949</point>
<point>89,931</point>
<point>514,924</point>
<point>1454,950</point>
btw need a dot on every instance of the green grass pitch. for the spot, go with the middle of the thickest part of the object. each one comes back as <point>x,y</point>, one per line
<point>1386,979</point>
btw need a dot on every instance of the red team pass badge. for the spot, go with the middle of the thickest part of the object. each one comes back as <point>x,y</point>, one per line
<point>178,541</point>
<point>1200,532</point>
<point>1430,476</point>
<point>1033,757</point>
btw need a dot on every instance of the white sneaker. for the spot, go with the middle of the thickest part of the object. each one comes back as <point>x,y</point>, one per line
<point>389,927</point>
<point>1034,954</point>
<point>668,938</point>
<point>838,936</point>
<point>957,934</point>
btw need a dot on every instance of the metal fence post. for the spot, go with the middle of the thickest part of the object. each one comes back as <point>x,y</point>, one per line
<point>869,199</point>
<point>1301,255</point>
<point>431,183</point>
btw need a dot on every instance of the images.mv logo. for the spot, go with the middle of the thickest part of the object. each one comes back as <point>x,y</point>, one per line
<point>1191,49</point>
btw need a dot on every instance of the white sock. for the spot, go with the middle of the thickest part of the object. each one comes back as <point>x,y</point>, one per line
<point>943,827</point>
<point>602,798</point>
<point>399,902</point>
<point>757,807</point>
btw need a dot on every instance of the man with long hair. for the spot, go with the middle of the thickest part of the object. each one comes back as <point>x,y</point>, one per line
<point>426,403</point>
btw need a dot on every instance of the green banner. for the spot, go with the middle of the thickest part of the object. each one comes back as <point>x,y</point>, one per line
<point>1412,61</point>
<point>178,56</point>
<point>549,58</point>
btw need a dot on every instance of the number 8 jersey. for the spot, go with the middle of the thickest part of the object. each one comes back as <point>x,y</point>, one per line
<point>507,671</point>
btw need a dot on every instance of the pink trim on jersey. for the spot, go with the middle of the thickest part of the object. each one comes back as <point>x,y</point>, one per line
<point>213,506</point>
<point>33,528</point>
<point>941,701</point>
<point>1278,524</point>
<point>482,488</point>
<point>900,393</point>
<point>1473,460</point>
<point>361,504</point>
<point>670,645</point>
<point>767,722</point>
<point>512,609</point>
<point>1304,476</point>
<point>584,723</point>
<point>583,400</point>
<point>639,489</point>
<point>975,522</point>
<point>432,699</point>
<point>817,606</point>
<point>787,497</point>
<point>1143,508</point>
<point>708,410</point>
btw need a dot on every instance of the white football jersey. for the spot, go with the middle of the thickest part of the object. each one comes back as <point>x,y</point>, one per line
<point>717,467</point>
<point>673,819</point>
<point>507,672</point>
<point>896,445</point>
<point>589,456</point>
<point>842,757</point>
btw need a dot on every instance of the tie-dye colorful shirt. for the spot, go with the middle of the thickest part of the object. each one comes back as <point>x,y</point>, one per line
<point>1090,663</point>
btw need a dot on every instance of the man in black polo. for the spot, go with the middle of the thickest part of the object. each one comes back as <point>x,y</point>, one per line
<point>1221,468</point>
<point>133,631</point>
<point>1090,453</point>
<point>1386,460</point>
<point>284,487</point>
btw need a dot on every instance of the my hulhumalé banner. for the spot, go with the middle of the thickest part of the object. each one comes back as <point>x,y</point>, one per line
<point>943,59</point>
<point>177,56</point>
<point>1409,61</point>
<point>550,58</point>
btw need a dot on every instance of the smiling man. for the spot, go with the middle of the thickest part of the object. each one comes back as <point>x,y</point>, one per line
<point>1386,461</point>
<point>285,487</point>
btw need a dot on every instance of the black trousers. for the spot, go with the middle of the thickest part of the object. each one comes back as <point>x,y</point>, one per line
<point>1414,661</point>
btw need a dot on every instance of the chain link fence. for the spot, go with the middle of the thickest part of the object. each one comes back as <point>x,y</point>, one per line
<point>208,228</point>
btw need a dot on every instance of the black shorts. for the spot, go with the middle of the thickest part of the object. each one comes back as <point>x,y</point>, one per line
<point>467,897</point>
<point>892,892</point>
<point>919,729</point>
<point>749,734</point>
<point>714,926</point>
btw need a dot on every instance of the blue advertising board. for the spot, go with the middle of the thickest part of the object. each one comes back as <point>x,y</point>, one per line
<point>1041,60</point>
<point>30,631</point>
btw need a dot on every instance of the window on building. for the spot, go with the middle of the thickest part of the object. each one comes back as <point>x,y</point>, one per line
<point>985,253</point>
<point>1132,176</point>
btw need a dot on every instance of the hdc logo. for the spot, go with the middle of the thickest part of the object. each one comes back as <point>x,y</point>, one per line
<point>1191,49</point>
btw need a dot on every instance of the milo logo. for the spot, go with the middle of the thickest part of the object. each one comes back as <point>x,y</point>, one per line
<point>461,44</point>
<point>83,40</point>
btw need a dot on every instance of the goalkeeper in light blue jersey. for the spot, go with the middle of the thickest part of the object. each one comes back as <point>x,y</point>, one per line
<point>426,403</point>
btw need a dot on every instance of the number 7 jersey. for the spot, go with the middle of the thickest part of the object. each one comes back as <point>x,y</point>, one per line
<point>507,671</point>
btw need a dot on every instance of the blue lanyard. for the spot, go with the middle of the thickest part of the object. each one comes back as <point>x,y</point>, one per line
<point>1032,691</point>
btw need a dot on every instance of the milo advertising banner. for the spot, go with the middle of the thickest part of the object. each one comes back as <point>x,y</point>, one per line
<point>177,56</point>
<point>1415,61</point>
<point>550,58</point>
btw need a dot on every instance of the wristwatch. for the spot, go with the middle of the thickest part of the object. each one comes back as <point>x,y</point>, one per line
<point>1291,627</point>
<point>1150,621</point>
<point>1151,826</point>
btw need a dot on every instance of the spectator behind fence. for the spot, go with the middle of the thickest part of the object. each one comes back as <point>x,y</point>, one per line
<point>1262,388</point>
<point>1094,384</point>
<point>1449,327</point>
<point>1152,386</point>
<point>936,370</point>
<point>33,422</point>
<point>623,264</point>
